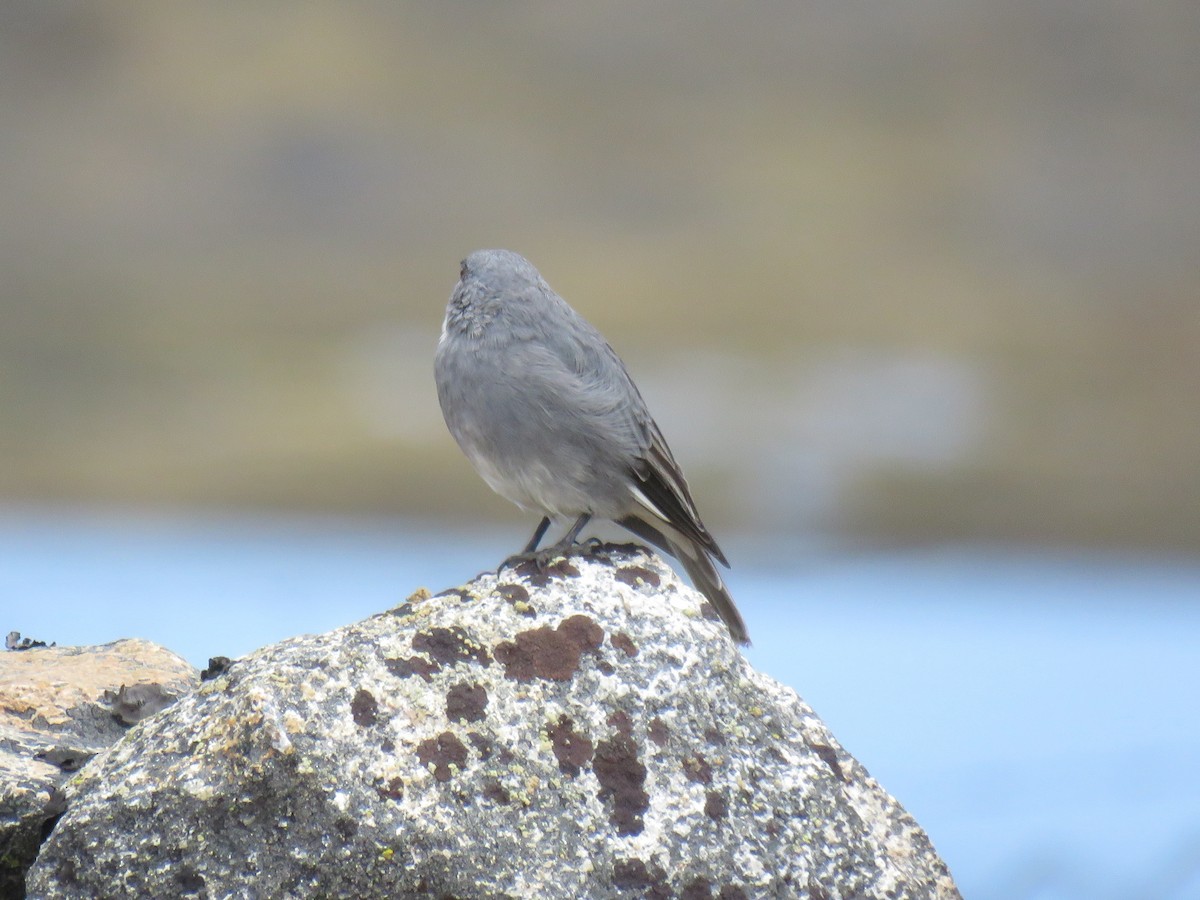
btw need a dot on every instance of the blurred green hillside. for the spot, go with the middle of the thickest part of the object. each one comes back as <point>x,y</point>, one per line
<point>905,271</point>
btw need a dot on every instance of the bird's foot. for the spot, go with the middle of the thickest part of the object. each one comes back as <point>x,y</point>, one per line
<point>543,559</point>
<point>539,559</point>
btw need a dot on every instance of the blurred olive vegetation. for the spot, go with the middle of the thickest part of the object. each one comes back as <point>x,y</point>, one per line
<point>916,271</point>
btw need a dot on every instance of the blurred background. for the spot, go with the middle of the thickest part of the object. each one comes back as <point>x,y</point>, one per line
<point>913,290</point>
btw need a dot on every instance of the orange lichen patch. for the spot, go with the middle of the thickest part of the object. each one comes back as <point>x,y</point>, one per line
<point>39,687</point>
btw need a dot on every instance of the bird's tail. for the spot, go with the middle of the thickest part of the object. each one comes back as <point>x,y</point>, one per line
<point>700,569</point>
<point>708,581</point>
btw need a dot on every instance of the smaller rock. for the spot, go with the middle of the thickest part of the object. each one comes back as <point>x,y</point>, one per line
<point>59,707</point>
<point>217,666</point>
<point>14,641</point>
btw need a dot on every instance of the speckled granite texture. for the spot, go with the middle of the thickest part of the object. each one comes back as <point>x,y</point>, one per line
<point>586,730</point>
<point>59,707</point>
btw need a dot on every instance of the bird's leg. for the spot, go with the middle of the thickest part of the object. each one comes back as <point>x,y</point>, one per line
<point>568,540</point>
<point>531,550</point>
<point>540,557</point>
<point>538,534</point>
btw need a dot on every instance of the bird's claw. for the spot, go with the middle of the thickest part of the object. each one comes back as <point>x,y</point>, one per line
<point>540,559</point>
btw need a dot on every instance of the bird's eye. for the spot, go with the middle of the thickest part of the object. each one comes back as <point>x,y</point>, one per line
<point>462,270</point>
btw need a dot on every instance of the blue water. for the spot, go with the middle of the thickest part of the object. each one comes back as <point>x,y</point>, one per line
<point>1037,713</point>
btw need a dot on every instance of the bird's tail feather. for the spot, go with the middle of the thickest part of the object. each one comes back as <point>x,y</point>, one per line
<point>700,569</point>
<point>708,582</point>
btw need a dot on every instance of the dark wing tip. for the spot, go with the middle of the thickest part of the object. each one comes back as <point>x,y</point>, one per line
<point>664,486</point>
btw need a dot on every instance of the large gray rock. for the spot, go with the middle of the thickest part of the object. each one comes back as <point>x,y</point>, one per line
<point>587,731</point>
<point>59,707</point>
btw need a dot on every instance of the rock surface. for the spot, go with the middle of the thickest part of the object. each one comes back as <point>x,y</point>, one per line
<point>59,707</point>
<point>581,731</point>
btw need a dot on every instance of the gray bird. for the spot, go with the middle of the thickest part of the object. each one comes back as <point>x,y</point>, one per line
<point>549,417</point>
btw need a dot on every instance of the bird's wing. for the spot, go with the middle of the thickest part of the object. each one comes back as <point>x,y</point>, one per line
<point>658,483</point>
<point>661,488</point>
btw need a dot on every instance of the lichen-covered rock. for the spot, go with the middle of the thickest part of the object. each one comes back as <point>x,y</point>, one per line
<point>579,731</point>
<point>59,707</point>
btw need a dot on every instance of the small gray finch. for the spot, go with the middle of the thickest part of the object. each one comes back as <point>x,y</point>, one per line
<point>549,417</point>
